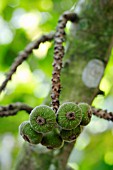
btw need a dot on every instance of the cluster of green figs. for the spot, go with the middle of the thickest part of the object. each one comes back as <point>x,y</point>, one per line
<point>50,129</point>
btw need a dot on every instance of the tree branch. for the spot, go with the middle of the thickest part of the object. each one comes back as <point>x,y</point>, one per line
<point>104,114</point>
<point>58,55</point>
<point>23,55</point>
<point>63,158</point>
<point>12,109</point>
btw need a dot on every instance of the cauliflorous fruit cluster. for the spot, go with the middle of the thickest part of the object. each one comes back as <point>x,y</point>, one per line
<point>52,130</point>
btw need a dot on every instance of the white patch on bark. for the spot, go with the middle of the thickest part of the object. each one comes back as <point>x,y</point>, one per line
<point>93,73</point>
<point>78,6</point>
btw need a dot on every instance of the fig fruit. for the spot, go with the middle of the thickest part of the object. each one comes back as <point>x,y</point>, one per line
<point>86,113</point>
<point>42,119</point>
<point>29,134</point>
<point>70,135</point>
<point>52,140</point>
<point>69,115</point>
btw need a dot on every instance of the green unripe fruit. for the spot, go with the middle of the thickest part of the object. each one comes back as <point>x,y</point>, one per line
<point>70,135</point>
<point>29,134</point>
<point>69,115</point>
<point>52,140</point>
<point>86,113</point>
<point>42,119</point>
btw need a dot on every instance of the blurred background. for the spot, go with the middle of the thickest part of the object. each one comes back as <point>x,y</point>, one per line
<point>22,21</point>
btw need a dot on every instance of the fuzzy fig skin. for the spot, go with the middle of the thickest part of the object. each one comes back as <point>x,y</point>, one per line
<point>70,135</point>
<point>69,115</point>
<point>52,140</point>
<point>86,113</point>
<point>42,119</point>
<point>29,134</point>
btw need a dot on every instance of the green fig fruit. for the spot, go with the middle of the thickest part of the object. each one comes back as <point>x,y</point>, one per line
<point>52,140</point>
<point>69,115</point>
<point>86,113</point>
<point>42,119</point>
<point>29,134</point>
<point>70,135</point>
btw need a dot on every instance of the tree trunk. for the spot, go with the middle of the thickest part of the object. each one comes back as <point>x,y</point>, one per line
<point>88,51</point>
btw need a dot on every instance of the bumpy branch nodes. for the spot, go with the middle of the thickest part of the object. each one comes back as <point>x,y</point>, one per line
<point>58,55</point>
<point>12,109</point>
<point>102,114</point>
<point>23,55</point>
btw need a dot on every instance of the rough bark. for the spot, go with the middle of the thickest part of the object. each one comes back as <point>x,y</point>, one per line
<point>91,39</point>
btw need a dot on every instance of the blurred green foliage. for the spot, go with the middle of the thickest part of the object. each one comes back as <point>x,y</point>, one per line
<point>22,21</point>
